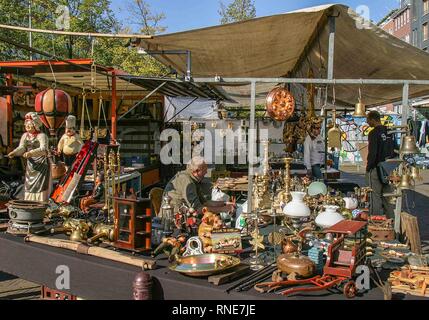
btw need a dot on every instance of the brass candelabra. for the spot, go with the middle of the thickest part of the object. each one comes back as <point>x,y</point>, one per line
<point>112,174</point>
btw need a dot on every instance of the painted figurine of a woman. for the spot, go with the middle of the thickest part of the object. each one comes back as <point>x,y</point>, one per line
<point>34,148</point>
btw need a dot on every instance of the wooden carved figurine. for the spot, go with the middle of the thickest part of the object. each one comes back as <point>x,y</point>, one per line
<point>33,147</point>
<point>210,221</point>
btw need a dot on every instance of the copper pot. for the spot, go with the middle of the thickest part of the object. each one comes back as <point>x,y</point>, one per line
<point>58,170</point>
<point>288,246</point>
<point>280,104</point>
<point>296,263</point>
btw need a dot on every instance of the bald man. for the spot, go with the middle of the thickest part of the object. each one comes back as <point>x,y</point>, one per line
<point>189,187</point>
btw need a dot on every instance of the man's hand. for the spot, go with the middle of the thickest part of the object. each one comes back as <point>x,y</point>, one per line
<point>309,173</point>
<point>10,155</point>
<point>230,207</point>
<point>26,155</point>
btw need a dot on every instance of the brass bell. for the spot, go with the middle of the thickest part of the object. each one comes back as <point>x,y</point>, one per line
<point>415,173</point>
<point>408,145</point>
<point>359,110</point>
<point>405,182</point>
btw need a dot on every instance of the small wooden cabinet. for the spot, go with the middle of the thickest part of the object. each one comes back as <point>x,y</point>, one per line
<point>133,224</point>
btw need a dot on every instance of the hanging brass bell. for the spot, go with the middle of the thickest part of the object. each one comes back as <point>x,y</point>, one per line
<point>408,145</point>
<point>359,110</point>
<point>405,182</point>
<point>334,134</point>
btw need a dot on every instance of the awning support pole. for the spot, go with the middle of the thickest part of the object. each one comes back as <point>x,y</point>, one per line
<point>331,47</point>
<point>405,104</point>
<point>251,145</point>
<point>114,120</point>
<point>330,77</point>
<point>405,107</point>
<point>9,113</point>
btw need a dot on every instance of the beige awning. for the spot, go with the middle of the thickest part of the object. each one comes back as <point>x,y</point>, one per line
<point>288,44</point>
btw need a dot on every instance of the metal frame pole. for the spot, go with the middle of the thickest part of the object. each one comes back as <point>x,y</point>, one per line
<point>405,112</point>
<point>405,104</point>
<point>330,77</point>
<point>251,145</point>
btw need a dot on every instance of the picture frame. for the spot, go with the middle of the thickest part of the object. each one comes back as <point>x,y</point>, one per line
<point>226,240</point>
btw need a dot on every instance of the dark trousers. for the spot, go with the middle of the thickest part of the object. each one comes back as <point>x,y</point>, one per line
<point>378,204</point>
<point>316,172</point>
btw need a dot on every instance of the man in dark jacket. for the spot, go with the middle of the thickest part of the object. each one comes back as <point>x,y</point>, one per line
<point>381,146</point>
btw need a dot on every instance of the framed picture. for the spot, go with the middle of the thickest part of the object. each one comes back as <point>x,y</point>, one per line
<point>226,241</point>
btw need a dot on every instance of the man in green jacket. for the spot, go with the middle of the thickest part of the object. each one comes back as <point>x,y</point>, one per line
<point>190,188</point>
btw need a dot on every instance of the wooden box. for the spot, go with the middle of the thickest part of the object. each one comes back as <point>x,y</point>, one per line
<point>133,224</point>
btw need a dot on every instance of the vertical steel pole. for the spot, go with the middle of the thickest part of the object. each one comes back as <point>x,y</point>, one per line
<point>405,111</point>
<point>331,49</point>
<point>331,52</point>
<point>251,145</point>
<point>405,104</point>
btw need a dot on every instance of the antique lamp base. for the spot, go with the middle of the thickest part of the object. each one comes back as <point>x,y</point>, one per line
<point>25,228</point>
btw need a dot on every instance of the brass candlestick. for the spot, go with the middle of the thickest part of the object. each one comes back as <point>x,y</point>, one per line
<point>285,195</point>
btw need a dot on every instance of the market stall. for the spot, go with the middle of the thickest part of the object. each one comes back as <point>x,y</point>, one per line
<point>292,231</point>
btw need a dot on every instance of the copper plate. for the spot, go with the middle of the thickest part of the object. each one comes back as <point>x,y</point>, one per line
<point>280,104</point>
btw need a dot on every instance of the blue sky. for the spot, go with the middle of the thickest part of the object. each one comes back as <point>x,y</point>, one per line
<point>192,14</point>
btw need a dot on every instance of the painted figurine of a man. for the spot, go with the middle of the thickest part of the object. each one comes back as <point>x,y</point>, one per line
<point>70,143</point>
<point>34,147</point>
<point>96,196</point>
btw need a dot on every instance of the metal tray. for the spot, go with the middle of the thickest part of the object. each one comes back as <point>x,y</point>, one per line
<point>205,264</point>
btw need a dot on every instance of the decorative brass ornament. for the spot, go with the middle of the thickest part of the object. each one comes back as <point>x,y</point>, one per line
<point>359,110</point>
<point>360,107</point>
<point>334,134</point>
<point>280,104</point>
<point>257,240</point>
<point>408,145</point>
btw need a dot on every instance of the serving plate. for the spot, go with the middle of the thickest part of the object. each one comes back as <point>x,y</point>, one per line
<point>204,264</point>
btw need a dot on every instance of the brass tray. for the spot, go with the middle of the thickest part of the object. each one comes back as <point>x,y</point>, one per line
<point>205,264</point>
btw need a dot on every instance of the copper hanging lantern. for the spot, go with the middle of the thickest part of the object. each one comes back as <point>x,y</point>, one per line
<point>280,104</point>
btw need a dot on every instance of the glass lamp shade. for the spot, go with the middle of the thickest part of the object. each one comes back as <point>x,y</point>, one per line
<point>315,188</point>
<point>329,217</point>
<point>297,207</point>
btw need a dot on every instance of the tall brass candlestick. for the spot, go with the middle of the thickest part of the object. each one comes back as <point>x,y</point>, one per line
<point>106,177</point>
<point>286,196</point>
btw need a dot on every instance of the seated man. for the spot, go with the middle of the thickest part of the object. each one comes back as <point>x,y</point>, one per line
<point>189,187</point>
<point>96,196</point>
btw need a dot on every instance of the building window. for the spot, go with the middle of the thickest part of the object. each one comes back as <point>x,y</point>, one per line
<point>407,38</point>
<point>425,31</point>
<point>425,6</point>
<point>408,16</point>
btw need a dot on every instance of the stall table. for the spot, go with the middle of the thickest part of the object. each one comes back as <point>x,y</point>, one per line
<point>96,278</point>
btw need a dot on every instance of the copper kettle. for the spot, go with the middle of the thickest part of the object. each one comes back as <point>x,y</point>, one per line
<point>296,263</point>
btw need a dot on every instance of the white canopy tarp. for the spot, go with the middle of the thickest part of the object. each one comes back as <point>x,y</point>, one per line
<point>291,43</point>
<point>185,108</point>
